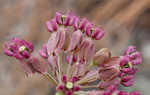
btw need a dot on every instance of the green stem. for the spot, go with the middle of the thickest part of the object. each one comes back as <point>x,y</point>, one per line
<point>59,68</point>
<point>90,86</point>
<point>50,78</point>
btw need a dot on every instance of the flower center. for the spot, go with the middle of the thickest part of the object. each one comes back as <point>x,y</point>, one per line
<point>63,17</point>
<point>92,30</point>
<point>69,85</point>
<point>127,65</point>
<point>22,48</point>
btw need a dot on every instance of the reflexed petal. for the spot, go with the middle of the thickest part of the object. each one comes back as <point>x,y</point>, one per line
<point>52,43</point>
<point>52,62</point>
<point>61,40</point>
<point>75,40</point>
<point>86,50</point>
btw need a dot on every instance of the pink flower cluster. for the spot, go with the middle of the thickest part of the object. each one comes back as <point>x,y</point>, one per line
<point>71,62</point>
<point>112,90</point>
<point>18,48</point>
<point>71,20</point>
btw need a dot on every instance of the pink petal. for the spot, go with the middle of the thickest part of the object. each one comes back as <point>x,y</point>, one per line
<point>52,62</point>
<point>75,40</point>
<point>52,43</point>
<point>61,40</point>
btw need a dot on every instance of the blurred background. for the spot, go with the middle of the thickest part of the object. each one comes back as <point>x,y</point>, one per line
<point>126,22</point>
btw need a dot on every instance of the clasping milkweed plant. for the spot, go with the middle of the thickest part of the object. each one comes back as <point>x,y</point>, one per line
<point>70,61</point>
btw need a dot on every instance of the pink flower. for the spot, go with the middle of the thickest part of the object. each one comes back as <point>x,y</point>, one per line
<point>97,33</point>
<point>134,56</point>
<point>18,48</point>
<point>33,65</point>
<point>68,87</point>
<point>127,66</point>
<point>52,25</point>
<point>67,19</point>
<point>72,41</point>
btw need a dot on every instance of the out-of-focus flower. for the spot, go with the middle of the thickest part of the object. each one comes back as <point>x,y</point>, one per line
<point>18,48</point>
<point>33,65</point>
<point>52,25</point>
<point>134,56</point>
